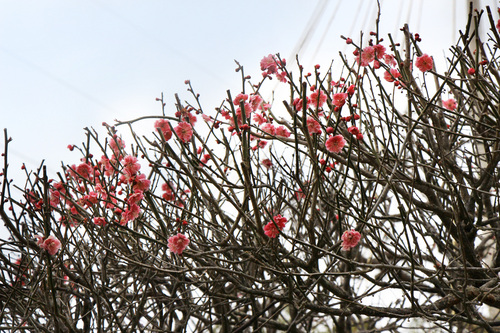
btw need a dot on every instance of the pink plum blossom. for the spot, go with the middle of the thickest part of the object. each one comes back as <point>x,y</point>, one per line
<point>270,228</point>
<point>424,63</point>
<point>184,131</point>
<point>313,126</point>
<point>450,104</point>
<point>178,243</point>
<point>164,126</point>
<point>282,131</point>
<point>49,244</point>
<point>335,143</point>
<point>339,99</point>
<point>268,64</point>
<point>350,238</point>
<point>318,98</point>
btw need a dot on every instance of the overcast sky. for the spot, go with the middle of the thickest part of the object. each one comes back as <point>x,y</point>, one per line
<point>65,65</point>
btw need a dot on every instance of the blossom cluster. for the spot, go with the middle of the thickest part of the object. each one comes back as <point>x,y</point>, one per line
<point>50,244</point>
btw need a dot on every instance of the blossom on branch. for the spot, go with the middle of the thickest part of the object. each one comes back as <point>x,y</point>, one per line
<point>184,131</point>
<point>49,244</point>
<point>350,238</point>
<point>335,143</point>
<point>424,63</point>
<point>178,243</point>
<point>272,229</point>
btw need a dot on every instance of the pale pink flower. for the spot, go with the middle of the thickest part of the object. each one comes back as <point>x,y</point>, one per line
<point>350,238</point>
<point>256,102</point>
<point>450,104</point>
<point>339,99</point>
<point>164,126</point>
<point>268,64</point>
<point>184,131</point>
<point>424,63</point>
<point>207,119</point>
<point>116,143</point>
<point>281,76</point>
<point>389,60</point>
<point>282,131</point>
<point>335,143</point>
<point>39,240</point>
<point>313,127</point>
<point>178,243</point>
<point>130,165</point>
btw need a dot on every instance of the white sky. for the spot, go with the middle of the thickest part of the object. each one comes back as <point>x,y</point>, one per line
<point>65,65</point>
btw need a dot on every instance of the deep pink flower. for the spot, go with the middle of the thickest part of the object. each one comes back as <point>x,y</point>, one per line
<point>353,130</point>
<point>450,104</point>
<point>84,170</point>
<point>135,198</point>
<point>268,128</point>
<point>100,221</point>
<point>339,99</point>
<point>282,131</point>
<point>49,244</point>
<point>313,126</point>
<point>424,63</point>
<point>298,103</point>
<point>270,228</point>
<point>239,98</point>
<point>259,118</point>
<point>178,243</point>
<point>367,55</point>
<point>184,131</point>
<point>379,51</point>
<point>318,98</point>
<point>267,163</point>
<point>141,183</point>
<point>130,214</point>
<point>164,126</point>
<point>335,143</point>
<point>350,238</point>
<point>389,76</point>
